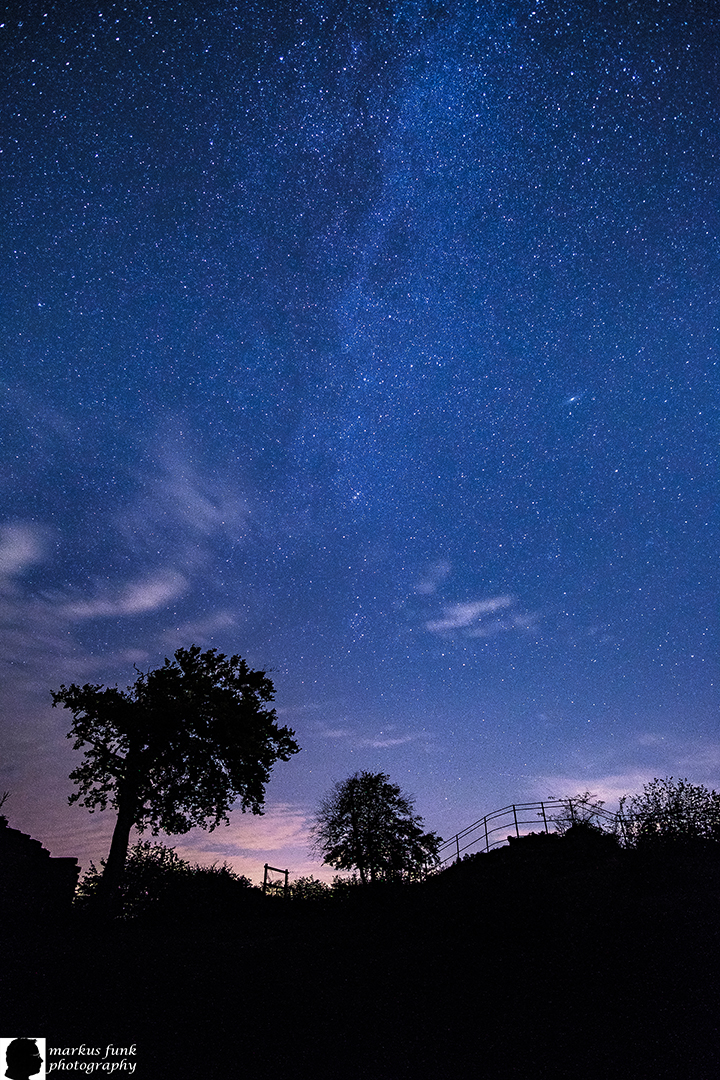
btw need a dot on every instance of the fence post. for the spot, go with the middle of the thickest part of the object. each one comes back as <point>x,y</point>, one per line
<point>277,870</point>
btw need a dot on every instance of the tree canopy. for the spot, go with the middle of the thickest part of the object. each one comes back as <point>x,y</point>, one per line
<point>176,749</point>
<point>670,810</point>
<point>367,824</point>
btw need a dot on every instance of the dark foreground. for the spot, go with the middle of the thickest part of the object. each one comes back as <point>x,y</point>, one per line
<point>512,968</point>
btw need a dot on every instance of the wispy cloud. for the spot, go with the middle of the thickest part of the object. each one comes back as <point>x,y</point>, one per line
<point>336,733</point>
<point>182,505</point>
<point>291,710</point>
<point>135,598</point>
<point>382,742</point>
<point>281,837</point>
<point>648,755</point>
<point>608,788</point>
<point>468,614</point>
<point>433,577</point>
<point>199,630</point>
<point>513,621</point>
<point>283,825</point>
<point>384,739</point>
<point>167,532</point>
<point>21,545</point>
<point>206,506</point>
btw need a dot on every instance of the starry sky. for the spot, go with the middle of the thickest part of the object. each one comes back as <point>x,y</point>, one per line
<point>376,342</point>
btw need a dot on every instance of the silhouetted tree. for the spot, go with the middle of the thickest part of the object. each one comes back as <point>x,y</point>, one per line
<point>670,810</point>
<point>176,749</point>
<point>366,823</point>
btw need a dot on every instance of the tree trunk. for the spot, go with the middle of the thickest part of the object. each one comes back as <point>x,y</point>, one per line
<point>358,846</point>
<point>127,814</point>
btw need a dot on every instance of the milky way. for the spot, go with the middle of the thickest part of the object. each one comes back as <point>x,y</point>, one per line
<point>377,343</point>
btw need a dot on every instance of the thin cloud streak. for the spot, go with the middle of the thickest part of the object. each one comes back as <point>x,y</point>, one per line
<point>136,598</point>
<point>513,622</point>
<point>458,616</point>
<point>381,741</point>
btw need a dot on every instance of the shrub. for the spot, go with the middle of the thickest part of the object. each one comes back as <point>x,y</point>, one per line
<point>585,810</point>
<point>309,888</point>
<point>670,811</point>
<point>155,876</point>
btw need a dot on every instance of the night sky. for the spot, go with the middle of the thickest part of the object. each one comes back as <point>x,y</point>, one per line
<point>376,342</point>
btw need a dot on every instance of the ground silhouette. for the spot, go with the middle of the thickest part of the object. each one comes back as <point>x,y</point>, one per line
<point>537,960</point>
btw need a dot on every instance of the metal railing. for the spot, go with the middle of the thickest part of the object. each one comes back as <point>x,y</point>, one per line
<point>482,835</point>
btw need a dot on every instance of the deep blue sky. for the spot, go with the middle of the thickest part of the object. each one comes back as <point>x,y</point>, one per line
<point>376,342</point>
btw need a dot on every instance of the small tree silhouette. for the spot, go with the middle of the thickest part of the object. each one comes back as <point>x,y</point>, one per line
<point>367,824</point>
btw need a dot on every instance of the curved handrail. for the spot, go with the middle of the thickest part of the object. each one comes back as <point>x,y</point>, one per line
<point>514,815</point>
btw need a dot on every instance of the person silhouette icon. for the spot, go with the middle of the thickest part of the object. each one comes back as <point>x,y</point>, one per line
<point>22,1058</point>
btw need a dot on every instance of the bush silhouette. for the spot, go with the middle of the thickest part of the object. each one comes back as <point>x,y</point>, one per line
<point>670,811</point>
<point>156,878</point>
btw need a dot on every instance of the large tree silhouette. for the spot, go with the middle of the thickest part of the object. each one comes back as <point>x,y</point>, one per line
<point>176,749</point>
<point>367,824</point>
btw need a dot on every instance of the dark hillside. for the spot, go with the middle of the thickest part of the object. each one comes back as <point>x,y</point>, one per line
<point>528,963</point>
